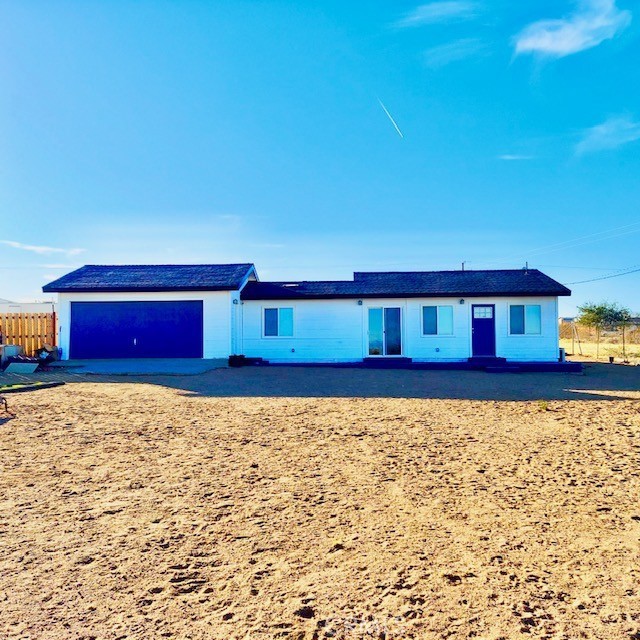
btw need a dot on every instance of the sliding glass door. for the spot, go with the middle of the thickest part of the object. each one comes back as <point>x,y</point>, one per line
<point>385,331</point>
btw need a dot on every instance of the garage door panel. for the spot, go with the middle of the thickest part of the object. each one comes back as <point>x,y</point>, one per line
<point>170,331</point>
<point>99,331</point>
<point>162,329</point>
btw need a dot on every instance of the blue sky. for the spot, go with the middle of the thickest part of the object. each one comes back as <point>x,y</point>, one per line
<point>197,131</point>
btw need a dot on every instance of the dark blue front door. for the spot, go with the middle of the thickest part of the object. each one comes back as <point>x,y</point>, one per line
<point>483,330</point>
<point>136,329</point>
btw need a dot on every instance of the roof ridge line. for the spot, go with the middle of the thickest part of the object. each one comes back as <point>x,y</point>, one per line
<point>174,264</point>
<point>456,271</point>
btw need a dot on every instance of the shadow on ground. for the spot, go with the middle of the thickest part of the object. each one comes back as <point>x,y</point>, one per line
<point>599,382</point>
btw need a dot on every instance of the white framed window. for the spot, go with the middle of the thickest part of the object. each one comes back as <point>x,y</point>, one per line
<point>525,319</point>
<point>437,320</point>
<point>278,322</point>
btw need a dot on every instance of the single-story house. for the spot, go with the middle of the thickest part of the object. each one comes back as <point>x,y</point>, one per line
<point>214,311</point>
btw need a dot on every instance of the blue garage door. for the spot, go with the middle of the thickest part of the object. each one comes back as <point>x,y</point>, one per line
<point>136,329</point>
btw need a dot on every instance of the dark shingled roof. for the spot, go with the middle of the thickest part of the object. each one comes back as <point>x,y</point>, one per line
<point>414,284</point>
<point>161,277</point>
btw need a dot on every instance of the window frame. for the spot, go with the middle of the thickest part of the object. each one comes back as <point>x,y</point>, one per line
<point>525,334</point>
<point>264,322</point>
<point>437,334</point>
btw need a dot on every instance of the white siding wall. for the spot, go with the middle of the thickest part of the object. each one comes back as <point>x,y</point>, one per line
<point>323,331</point>
<point>527,347</point>
<point>217,314</point>
<point>336,330</point>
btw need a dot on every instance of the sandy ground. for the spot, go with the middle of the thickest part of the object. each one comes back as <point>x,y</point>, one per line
<point>131,510</point>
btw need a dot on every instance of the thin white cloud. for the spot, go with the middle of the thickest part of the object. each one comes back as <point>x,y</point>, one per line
<point>42,250</point>
<point>514,157</point>
<point>438,12</point>
<point>442,55</point>
<point>593,22</point>
<point>612,133</point>
<point>393,122</point>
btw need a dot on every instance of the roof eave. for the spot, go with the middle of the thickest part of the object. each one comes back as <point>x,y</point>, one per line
<point>461,294</point>
<point>49,289</point>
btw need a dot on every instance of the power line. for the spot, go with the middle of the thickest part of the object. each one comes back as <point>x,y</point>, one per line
<point>574,242</point>
<point>615,275</point>
<point>585,268</point>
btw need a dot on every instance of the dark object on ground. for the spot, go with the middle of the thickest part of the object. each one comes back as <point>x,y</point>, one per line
<point>243,361</point>
<point>48,353</point>
<point>237,361</point>
<point>19,360</point>
<point>19,388</point>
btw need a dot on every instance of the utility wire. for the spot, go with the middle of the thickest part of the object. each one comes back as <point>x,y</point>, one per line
<point>585,268</point>
<point>634,227</point>
<point>615,275</point>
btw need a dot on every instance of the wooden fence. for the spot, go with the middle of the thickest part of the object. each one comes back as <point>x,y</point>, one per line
<point>30,330</point>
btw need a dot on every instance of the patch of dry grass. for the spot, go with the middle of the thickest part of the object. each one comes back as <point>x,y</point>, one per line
<point>589,350</point>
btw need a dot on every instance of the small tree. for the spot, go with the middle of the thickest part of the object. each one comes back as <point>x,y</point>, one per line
<point>621,319</point>
<point>593,315</point>
<point>604,315</point>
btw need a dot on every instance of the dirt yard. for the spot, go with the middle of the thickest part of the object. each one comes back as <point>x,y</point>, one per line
<point>134,510</point>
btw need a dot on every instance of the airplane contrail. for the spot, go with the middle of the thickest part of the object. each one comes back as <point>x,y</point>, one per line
<point>393,122</point>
